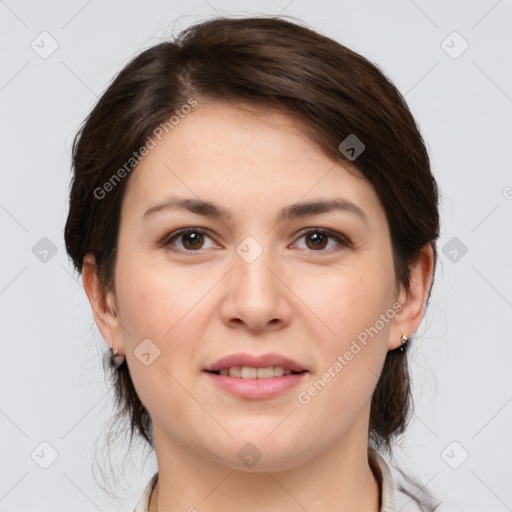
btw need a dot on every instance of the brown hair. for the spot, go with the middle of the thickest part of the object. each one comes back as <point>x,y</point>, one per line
<point>262,60</point>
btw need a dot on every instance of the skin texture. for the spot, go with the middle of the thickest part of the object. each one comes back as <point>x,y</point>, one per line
<point>295,299</point>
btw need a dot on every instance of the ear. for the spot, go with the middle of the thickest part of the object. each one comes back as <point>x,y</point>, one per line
<point>414,300</point>
<point>102,304</point>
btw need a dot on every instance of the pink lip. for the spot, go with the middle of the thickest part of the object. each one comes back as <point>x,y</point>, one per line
<point>260,361</point>
<point>256,388</point>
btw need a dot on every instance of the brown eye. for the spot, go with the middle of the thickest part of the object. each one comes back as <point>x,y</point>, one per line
<point>317,239</point>
<point>191,240</point>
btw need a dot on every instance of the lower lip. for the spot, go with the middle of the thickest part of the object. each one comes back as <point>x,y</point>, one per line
<point>257,388</point>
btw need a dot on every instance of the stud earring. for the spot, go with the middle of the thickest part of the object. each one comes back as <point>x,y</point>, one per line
<point>116,359</point>
<point>404,341</point>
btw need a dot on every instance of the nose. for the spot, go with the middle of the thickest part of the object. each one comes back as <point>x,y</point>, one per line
<point>257,295</point>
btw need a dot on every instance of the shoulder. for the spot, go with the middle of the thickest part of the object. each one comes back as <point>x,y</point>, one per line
<point>392,497</point>
<point>143,503</point>
<point>404,503</point>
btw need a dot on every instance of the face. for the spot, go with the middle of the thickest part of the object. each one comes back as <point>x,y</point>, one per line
<point>260,275</point>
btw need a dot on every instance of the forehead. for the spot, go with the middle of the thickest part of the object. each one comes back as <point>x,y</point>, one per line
<point>241,156</point>
<point>239,134</point>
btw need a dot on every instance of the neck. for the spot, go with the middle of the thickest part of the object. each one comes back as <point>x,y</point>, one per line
<point>339,478</point>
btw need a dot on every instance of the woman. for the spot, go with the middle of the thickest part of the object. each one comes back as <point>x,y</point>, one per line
<point>254,217</point>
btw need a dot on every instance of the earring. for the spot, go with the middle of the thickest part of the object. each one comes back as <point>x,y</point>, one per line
<point>116,359</point>
<point>404,341</point>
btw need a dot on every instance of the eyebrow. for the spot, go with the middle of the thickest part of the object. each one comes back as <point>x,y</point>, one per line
<point>210,209</point>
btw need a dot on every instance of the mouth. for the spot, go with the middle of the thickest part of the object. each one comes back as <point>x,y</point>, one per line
<point>251,372</point>
<point>252,377</point>
<point>252,366</point>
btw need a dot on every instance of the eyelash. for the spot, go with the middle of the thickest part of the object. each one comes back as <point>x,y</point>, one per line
<point>341,240</point>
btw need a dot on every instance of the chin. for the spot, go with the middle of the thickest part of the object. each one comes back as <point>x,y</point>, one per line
<point>258,454</point>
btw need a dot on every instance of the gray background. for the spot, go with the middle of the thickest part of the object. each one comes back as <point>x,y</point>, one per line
<point>52,385</point>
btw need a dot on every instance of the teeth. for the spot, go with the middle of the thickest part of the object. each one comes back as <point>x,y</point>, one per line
<point>265,373</point>
<point>278,371</point>
<point>234,371</point>
<point>248,372</point>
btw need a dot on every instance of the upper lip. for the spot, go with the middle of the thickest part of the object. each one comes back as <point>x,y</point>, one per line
<point>255,361</point>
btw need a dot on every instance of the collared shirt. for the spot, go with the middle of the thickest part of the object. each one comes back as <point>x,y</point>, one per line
<point>391,498</point>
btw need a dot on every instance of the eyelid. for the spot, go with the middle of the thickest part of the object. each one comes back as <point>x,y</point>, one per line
<point>341,239</point>
<point>166,241</point>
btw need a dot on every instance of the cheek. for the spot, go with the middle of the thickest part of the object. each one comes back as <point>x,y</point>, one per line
<point>156,300</point>
<point>167,305</point>
<point>159,307</point>
<point>353,348</point>
<point>346,302</point>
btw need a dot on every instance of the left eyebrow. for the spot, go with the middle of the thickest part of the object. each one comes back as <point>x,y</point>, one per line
<point>322,206</point>
<point>296,210</point>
